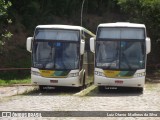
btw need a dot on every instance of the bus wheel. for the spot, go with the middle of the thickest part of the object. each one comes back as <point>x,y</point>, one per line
<point>84,82</point>
<point>101,88</point>
<point>83,85</point>
<point>140,90</point>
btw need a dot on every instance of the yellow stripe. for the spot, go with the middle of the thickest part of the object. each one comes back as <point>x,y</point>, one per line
<point>46,73</point>
<point>50,74</point>
<point>114,74</point>
<point>111,74</point>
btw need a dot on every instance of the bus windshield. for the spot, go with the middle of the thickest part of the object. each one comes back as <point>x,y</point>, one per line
<point>122,49</point>
<point>55,55</point>
<point>121,33</point>
<point>57,34</point>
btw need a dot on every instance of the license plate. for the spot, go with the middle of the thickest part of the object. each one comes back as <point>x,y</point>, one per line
<point>53,81</point>
<point>119,82</point>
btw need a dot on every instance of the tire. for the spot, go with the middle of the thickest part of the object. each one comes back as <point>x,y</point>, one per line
<point>83,84</point>
<point>84,79</point>
<point>140,90</point>
<point>101,88</point>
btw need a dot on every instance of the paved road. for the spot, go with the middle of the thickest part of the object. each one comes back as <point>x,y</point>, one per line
<point>90,99</point>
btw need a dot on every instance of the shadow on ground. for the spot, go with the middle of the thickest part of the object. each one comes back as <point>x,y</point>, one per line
<point>49,91</point>
<point>91,91</point>
<point>114,92</point>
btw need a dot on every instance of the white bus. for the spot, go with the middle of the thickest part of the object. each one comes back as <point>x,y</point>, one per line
<point>60,56</point>
<point>120,55</point>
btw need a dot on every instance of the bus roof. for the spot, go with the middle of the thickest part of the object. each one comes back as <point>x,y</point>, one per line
<point>69,27</point>
<point>61,27</point>
<point>122,24</point>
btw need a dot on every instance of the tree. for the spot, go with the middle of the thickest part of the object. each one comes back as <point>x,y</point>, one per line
<point>147,12</point>
<point>4,33</point>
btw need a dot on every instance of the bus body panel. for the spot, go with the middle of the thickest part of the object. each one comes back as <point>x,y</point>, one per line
<point>68,80</point>
<point>137,80</point>
<point>50,75</point>
<point>133,82</point>
<point>118,71</point>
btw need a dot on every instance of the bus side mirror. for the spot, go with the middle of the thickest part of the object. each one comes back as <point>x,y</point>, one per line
<point>82,47</point>
<point>29,44</point>
<point>148,45</point>
<point>92,44</point>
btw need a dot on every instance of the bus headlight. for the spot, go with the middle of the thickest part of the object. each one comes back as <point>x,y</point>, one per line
<point>73,74</point>
<point>140,74</point>
<point>99,73</point>
<point>35,73</point>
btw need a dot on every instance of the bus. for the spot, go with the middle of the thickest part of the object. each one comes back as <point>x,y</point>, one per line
<point>120,55</point>
<point>61,56</point>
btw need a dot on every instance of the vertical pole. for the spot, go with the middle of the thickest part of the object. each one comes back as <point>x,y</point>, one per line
<point>82,11</point>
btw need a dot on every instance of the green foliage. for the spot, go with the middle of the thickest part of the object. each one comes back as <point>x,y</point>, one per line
<point>4,33</point>
<point>3,7</point>
<point>148,13</point>
<point>37,12</point>
<point>11,82</point>
<point>143,11</point>
<point>26,14</point>
<point>14,74</point>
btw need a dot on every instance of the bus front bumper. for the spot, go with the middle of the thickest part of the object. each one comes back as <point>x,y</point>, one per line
<point>70,81</point>
<point>131,82</point>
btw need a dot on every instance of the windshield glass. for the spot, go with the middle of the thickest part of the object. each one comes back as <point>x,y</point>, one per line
<point>121,33</point>
<point>120,55</point>
<point>120,48</point>
<point>55,55</point>
<point>53,34</point>
<point>107,54</point>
